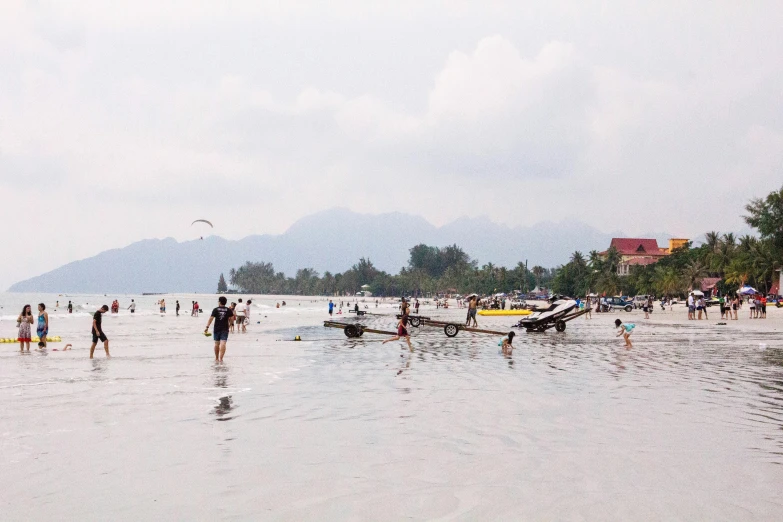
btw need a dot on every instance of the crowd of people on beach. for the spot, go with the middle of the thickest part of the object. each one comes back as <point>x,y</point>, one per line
<point>238,318</point>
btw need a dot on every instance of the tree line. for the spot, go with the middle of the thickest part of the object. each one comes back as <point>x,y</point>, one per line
<point>747,259</point>
<point>430,270</point>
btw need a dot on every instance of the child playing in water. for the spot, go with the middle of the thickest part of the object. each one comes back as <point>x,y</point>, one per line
<point>625,331</point>
<point>506,345</point>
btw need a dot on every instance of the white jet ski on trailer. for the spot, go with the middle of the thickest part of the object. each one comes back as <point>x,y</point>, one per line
<point>555,316</point>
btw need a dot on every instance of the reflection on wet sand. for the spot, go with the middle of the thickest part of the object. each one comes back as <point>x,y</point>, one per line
<point>226,403</point>
<point>565,424</point>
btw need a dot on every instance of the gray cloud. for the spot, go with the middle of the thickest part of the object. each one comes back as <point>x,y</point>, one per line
<point>122,121</point>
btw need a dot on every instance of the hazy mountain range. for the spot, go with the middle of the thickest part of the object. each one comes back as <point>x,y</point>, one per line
<point>332,240</point>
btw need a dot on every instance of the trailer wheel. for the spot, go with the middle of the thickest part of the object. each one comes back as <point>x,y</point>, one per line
<point>351,331</point>
<point>415,322</point>
<point>560,326</point>
<point>451,330</point>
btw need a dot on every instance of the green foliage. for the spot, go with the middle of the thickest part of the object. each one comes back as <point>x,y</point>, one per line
<point>430,270</point>
<point>222,286</point>
<point>766,216</point>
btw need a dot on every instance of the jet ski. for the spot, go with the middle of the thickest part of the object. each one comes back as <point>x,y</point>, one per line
<point>550,317</point>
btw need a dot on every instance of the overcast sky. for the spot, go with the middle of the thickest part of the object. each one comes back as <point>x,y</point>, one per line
<point>121,121</point>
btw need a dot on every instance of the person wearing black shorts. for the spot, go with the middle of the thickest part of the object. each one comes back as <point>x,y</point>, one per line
<point>97,331</point>
<point>222,316</point>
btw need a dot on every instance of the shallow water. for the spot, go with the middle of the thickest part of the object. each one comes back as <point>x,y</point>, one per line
<point>686,426</point>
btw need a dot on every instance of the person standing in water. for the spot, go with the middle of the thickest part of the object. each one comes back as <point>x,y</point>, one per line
<point>177,308</point>
<point>331,307</point>
<point>239,312</point>
<point>24,321</point>
<point>97,331</point>
<point>43,323</point>
<point>233,319</point>
<point>70,307</point>
<point>472,309</point>
<point>247,315</point>
<point>132,307</point>
<point>221,315</point>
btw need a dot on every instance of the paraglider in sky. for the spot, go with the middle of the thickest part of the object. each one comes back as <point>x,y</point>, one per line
<point>202,221</point>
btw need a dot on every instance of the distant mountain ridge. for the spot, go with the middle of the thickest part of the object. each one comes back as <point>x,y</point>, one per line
<point>331,240</point>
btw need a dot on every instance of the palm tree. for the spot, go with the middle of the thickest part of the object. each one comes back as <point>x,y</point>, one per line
<point>538,271</point>
<point>693,273</point>
<point>668,281</point>
<point>763,264</point>
<point>712,240</point>
<point>737,272</point>
<point>613,259</point>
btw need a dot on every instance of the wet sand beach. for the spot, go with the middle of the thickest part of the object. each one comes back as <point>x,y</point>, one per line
<point>685,426</point>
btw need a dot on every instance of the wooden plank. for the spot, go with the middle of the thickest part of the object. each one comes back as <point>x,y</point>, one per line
<point>372,330</point>
<point>460,327</point>
<point>479,330</point>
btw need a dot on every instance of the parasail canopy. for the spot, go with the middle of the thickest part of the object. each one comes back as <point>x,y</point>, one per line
<point>202,221</point>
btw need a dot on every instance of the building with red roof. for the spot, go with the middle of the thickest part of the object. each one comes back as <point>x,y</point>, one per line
<point>641,251</point>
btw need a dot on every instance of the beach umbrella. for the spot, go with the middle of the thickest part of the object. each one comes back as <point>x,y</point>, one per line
<point>698,293</point>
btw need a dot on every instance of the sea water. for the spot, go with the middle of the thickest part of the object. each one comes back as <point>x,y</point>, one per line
<point>687,425</point>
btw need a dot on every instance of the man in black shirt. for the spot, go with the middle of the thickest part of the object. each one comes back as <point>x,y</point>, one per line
<point>222,314</point>
<point>97,331</point>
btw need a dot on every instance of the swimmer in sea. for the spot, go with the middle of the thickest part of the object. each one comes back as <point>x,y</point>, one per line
<point>625,331</point>
<point>67,347</point>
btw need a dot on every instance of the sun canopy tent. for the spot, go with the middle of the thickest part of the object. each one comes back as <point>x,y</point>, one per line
<point>747,290</point>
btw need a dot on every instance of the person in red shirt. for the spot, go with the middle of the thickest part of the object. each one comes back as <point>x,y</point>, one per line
<point>763,307</point>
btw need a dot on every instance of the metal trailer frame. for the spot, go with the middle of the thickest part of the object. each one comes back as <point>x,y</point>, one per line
<point>415,320</point>
<point>353,330</point>
<point>452,329</point>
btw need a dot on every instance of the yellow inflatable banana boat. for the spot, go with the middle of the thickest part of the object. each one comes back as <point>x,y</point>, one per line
<point>504,312</point>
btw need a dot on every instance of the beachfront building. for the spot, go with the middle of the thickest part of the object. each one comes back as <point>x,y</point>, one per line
<point>641,251</point>
<point>709,285</point>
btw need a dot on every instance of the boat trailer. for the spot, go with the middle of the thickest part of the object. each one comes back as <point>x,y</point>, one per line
<point>545,324</point>
<point>354,330</point>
